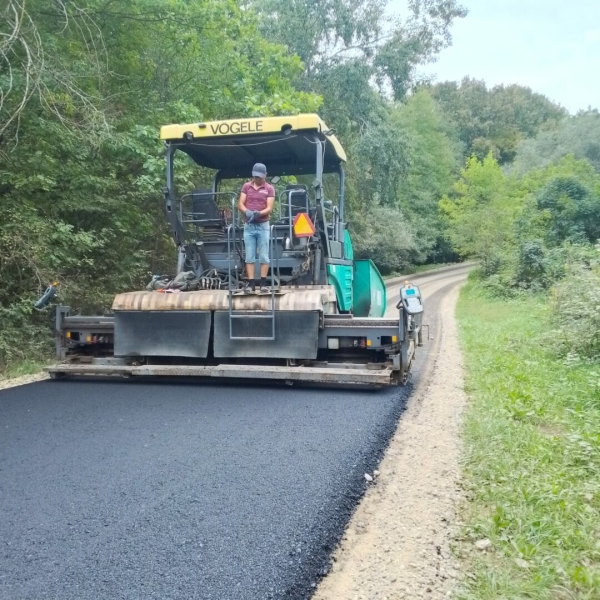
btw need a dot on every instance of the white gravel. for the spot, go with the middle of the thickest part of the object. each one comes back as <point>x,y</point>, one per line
<point>397,544</point>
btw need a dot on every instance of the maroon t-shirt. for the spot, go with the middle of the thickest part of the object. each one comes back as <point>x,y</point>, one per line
<point>256,199</point>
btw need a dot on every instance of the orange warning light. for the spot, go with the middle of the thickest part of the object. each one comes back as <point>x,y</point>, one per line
<point>303,226</point>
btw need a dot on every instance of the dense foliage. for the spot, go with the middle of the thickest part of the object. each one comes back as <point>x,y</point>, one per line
<point>533,233</point>
<point>495,120</point>
<point>579,136</point>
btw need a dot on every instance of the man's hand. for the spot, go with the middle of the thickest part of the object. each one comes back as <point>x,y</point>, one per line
<point>250,216</point>
<point>256,214</point>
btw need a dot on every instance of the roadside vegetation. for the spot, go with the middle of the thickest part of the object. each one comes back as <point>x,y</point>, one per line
<point>532,448</point>
<point>530,330</point>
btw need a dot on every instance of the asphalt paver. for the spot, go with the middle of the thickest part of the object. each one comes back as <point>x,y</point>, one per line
<point>166,490</point>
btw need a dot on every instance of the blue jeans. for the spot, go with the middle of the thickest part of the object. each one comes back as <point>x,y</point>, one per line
<point>256,235</point>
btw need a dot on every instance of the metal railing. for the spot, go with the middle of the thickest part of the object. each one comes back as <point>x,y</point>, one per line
<point>288,195</point>
<point>274,256</point>
<point>333,211</point>
<point>193,220</point>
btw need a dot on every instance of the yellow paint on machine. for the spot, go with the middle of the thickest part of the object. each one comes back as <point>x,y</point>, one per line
<point>312,298</point>
<point>254,126</point>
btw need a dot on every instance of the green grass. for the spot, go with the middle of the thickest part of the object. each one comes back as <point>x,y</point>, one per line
<point>532,456</point>
<point>25,367</point>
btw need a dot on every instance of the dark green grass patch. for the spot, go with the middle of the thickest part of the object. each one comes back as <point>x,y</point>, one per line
<point>532,456</point>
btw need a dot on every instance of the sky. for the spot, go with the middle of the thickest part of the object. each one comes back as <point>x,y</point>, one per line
<point>551,46</point>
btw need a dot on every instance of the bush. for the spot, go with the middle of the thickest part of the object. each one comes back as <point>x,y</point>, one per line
<point>536,267</point>
<point>531,265</point>
<point>491,264</point>
<point>577,308</point>
<point>499,286</point>
<point>384,236</point>
<point>572,210</point>
<point>25,334</point>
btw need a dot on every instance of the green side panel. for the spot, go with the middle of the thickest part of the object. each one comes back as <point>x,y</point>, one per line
<point>369,290</point>
<point>340,277</point>
<point>348,251</point>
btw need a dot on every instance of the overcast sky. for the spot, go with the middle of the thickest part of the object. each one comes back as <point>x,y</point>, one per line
<point>551,46</point>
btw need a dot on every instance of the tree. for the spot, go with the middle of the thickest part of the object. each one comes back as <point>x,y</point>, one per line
<point>481,212</point>
<point>578,136</point>
<point>355,59</point>
<point>346,46</point>
<point>384,235</point>
<point>495,120</point>
<point>432,166</point>
<point>571,209</point>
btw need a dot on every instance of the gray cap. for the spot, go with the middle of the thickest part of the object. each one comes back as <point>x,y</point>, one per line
<point>259,170</point>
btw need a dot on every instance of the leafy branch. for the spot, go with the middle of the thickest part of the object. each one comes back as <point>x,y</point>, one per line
<point>30,67</point>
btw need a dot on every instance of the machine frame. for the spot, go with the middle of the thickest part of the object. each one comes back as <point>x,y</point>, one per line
<point>306,329</point>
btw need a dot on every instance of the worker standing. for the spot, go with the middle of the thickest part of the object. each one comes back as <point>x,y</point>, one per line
<point>256,203</point>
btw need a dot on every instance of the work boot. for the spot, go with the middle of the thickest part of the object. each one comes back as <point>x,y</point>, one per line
<point>264,289</point>
<point>248,289</point>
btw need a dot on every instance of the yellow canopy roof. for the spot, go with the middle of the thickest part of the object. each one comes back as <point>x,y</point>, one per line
<point>286,145</point>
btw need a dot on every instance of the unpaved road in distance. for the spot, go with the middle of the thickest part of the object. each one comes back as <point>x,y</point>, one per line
<point>135,490</point>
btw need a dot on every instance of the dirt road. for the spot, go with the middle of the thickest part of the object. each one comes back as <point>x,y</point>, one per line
<point>397,544</point>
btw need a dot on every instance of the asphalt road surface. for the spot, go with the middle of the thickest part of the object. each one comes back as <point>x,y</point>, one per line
<point>144,490</point>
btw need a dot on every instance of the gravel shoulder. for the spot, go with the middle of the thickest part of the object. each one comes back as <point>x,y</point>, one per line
<point>23,380</point>
<point>398,542</point>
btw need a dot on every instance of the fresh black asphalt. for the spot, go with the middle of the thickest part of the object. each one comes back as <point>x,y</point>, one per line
<point>144,490</point>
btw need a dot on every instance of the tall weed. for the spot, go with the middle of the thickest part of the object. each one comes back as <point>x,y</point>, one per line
<point>577,308</point>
